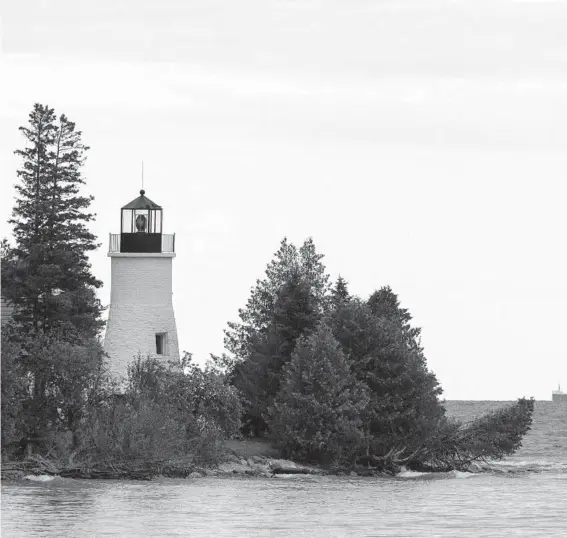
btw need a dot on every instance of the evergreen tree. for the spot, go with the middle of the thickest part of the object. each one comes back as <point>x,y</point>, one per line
<point>428,410</point>
<point>47,274</point>
<point>404,407</point>
<point>340,293</point>
<point>384,303</point>
<point>258,377</point>
<point>258,313</point>
<point>317,413</point>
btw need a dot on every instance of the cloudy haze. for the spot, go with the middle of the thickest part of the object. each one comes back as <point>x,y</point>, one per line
<point>421,143</point>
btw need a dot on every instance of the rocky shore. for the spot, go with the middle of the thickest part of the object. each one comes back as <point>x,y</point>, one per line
<point>244,458</point>
<point>231,466</point>
<point>250,458</point>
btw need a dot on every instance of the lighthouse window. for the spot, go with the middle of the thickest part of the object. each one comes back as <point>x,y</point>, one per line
<point>161,343</point>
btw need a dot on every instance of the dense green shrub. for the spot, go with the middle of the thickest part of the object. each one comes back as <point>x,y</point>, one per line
<point>167,411</point>
<point>73,379</point>
<point>119,431</point>
<point>317,413</point>
<point>13,397</point>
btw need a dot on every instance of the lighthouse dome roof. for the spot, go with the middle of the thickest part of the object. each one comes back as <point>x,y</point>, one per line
<point>142,203</point>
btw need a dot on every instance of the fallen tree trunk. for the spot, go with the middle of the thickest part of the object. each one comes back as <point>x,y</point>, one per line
<point>490,437</point>
<point>455,446</point>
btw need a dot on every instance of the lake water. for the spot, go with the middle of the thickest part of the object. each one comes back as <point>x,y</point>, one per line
<point>529,500</point>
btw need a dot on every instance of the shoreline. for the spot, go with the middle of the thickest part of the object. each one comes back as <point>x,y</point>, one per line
<point>231,465</point>
<point>235,458</point>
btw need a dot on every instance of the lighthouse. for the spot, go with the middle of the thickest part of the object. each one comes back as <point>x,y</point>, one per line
<point>141,318</point>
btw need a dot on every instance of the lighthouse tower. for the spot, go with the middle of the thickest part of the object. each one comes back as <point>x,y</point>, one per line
<point>141,318</point>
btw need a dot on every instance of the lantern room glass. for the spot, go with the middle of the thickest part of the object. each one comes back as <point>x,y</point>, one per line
<point>141,221</point>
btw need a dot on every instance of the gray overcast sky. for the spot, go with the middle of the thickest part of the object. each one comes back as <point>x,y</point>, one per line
<point>421,143</point>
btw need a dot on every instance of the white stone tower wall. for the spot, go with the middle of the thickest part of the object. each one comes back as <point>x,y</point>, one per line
<point>140,307</point>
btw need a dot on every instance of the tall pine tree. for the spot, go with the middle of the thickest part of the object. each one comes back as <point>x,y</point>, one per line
<point>384,303</point>
<point>340,293</point>
<point>259,375</point>
<point>256,316</point>
<point>47,275</point>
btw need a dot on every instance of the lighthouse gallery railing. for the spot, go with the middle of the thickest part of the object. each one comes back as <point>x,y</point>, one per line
<point>167,243</point>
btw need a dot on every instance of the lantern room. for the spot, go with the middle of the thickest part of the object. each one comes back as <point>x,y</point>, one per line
<point>141,228</point>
